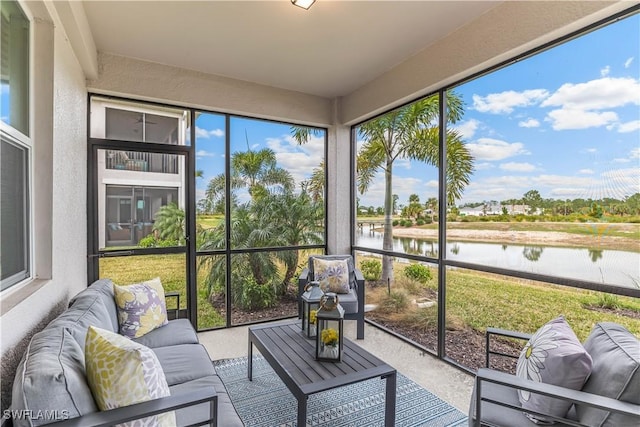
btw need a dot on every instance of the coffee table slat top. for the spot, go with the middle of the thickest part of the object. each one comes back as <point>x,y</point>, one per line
<point>292,356</point>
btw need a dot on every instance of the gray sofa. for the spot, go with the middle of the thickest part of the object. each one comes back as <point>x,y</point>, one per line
<point>609,398</point>
<point>50,380</point>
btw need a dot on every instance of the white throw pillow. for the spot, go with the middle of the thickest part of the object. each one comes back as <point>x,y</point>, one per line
<point>553,355</point>
<point>121,372</point>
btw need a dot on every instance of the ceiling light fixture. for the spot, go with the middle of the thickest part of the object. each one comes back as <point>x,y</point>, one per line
<point>305,4</point>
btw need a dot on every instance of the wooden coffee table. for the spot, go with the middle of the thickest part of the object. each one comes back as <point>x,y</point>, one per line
<point>292,357</point>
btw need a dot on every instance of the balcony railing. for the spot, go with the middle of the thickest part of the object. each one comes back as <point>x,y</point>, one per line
<point>142,162</point>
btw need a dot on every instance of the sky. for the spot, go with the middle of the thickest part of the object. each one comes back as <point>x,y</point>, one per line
<point>299,160</point>
<point>564,122</point>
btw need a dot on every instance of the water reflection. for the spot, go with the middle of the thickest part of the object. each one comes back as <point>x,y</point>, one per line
<point>532,253</point>
<point>612,267</point>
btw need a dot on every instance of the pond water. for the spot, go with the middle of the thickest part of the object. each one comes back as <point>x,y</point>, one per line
<point>612,267</point>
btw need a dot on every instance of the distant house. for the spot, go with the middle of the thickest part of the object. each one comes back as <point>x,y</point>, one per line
<point>133,186</point>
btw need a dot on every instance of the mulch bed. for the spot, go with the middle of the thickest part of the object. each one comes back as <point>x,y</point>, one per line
<point>464,346</point>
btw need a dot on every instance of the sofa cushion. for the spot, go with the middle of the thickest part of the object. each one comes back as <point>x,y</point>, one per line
<point>88,308</point>
<point>54,363</point>
<point>227,415</point>
<point>104,288</point>
<point>553,355</point>
<point>121,372</point>
<point>141,307</point>
<point>333,275</point>
<point>178,331</point>
<point>186,362</point>
<point>616,373</point>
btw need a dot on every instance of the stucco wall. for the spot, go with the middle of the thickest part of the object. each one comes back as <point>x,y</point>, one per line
<point>150,81</point>
<point>64,98</point>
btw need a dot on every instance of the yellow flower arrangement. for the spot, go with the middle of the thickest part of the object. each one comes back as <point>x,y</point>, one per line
<point>312,317</point>
<point>330,337</point>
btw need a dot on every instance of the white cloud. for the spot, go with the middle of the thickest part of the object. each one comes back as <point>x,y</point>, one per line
<point>627,127</point>
<point>494,149</point>
<point>605,71</point>
<point>484,166</point>
<point>299,160</point>
<point>586,171</point>
<point>600,94</point>
<point>581,104</point>
<point>529,123</point>
<point>517,167</point>
<point>203,153</point>
<point>615,183</point>
<point>591,150</point>
<point>569,118</point>
<point>505,102</point>
<point>204,133</point>
<point>621,160</point>
<point>628,62</point>
<point>635,153</point>
<point>467,129</point>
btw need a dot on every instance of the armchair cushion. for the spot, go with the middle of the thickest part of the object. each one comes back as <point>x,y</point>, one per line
<point>616,373</point>
<point>333,275</point>
<point>555,356</point>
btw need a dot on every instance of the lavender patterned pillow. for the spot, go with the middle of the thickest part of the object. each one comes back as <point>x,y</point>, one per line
<point>333,275</point>
<point>553,355</point>
<point>141,307</point>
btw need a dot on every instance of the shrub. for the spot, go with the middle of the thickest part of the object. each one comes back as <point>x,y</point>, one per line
<point>151,241</point>
<point>408,223</point>
<point>395,222</point>
<point>394,302</point>
<point>147,242</point>
<point>255,296</point>
<point>418,272</point>
<point>371,269</point>
<point>608,301</point>
<point>420,222</point>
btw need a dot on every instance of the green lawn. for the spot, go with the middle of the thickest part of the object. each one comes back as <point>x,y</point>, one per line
<point>476,299</point>
<point>482,301</point>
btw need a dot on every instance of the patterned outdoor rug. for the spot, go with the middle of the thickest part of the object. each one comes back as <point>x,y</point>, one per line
<point>266,401</point>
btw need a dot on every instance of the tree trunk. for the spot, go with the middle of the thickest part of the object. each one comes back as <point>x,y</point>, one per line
<point>387,239</point>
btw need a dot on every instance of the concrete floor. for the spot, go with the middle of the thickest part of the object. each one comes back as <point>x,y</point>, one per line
<point>441,379</point>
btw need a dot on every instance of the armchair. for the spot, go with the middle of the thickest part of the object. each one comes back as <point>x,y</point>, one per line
<point>609,397</point>
<point>352,302</point>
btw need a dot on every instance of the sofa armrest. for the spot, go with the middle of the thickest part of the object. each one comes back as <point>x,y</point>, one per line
<point>146,409</point>
<point>573,396</point>
<point>175,295</point>
<point>502,333</point>
<point>303,279</point>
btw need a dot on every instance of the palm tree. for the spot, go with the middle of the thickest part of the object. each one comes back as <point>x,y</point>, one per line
<point>169,223</point>
<point>411,132</point>
<point>255,170</point>
<point>299,219</point>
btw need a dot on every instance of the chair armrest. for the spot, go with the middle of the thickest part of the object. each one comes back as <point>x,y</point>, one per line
<point>360,290</point>
<point>303,279</point>
<point>359,278</point>
<point>175,295</point>
<point>563,393</point>
<point>503,333</point>
<point>509,334</point>
<point>147,409</point>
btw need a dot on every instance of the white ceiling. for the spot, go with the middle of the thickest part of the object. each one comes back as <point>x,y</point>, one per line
<point>329,50</point>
